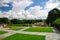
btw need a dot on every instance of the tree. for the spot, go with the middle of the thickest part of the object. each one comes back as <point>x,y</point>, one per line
<point>52,16</point>
<point>1,21</point>
<point>57,23</point>
<point>4,20</point>
<point>15,21</point>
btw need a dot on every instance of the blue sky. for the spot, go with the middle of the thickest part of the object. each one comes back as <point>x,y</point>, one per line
<point>27,9</point>
<point>35,3</point>
<point>5,9</point>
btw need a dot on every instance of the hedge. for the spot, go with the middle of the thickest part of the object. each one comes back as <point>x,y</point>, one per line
<point>19,25</point>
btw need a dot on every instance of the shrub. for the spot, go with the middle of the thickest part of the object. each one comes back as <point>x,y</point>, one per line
<point>57,24</point>
<point>20,25</point>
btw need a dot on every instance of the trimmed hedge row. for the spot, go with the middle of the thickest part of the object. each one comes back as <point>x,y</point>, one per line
<point>19,25</point>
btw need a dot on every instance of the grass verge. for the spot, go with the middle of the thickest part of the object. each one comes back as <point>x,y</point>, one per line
<point>2,32</point>
<point>40,29</point>
<point>25,37</point>
<point>15,28</point>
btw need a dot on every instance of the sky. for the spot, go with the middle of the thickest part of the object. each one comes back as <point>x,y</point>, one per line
<point>27,9</point>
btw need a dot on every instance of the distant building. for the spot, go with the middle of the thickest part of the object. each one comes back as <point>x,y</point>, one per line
<point>40,24</point>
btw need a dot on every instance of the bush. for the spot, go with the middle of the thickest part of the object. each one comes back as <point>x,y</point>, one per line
<point>57,24</point>
<point>20,25</point>
<point>57,21</point>
<point>13,24</point>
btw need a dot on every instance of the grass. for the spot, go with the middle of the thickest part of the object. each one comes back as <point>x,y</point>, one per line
<point>40,29</point>
<point>2,32</point>
<point>15,28</point>
<point>25,37</point>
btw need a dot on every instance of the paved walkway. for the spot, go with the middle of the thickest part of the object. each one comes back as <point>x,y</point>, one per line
<point>24,28</point>
<point>49,36</point>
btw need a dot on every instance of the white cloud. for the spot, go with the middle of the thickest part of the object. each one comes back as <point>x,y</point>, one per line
<point>42,13</point>
<point>52,4</point>
<point>2,4</point>
<point>5,5</point>
<point>36,12</point>
<point>17,10</point>
<point>19,6</point>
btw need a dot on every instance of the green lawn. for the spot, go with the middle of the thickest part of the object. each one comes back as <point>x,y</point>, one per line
<point>40,29</point>
<point>15,28</point>
<point>25,37</point>
<point>2,32</point>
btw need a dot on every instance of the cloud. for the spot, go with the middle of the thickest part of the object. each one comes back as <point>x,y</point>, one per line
<point>42,12</point>
<point>17,10</point>
<point>2,2</point>
<point>36,12</point>
<point>18,5</point>
<point>21,5</point>
<point>52,4</point>
<point>6,5</point>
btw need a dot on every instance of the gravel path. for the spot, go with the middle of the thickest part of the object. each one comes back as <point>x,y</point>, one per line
<point>49,36</point>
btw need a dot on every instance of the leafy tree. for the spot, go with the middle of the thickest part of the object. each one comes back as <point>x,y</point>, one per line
<point>4,20</point>
<point>0,20</point>
<point>15,21</point>
<point>52,16</point>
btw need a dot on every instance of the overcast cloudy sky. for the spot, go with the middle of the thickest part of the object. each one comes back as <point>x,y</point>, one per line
<point>27,9</point>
